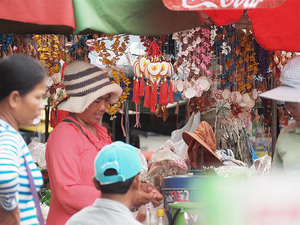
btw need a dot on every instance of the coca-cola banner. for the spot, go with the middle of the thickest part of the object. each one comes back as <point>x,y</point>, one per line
<point>220,4</point>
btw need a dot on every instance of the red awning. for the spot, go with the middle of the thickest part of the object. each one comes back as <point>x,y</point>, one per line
<point>275,29</point>
<point>192,5</point>
<point>37,16</point>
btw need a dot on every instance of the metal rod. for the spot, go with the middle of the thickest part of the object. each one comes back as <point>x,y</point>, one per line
<point>47,112</point>
<point>274,120</point>
<point>113,129</point>
<point>127,128</point>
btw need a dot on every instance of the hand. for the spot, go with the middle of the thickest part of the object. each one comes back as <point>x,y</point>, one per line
<point>10,218</point>
<point>148,193</point>
<point>156,196</point>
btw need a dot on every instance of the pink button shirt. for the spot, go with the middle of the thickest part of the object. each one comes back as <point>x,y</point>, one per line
<point>70,163</point>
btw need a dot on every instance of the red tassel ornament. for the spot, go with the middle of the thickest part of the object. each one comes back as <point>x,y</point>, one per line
<point>153,97</point>
<point>171,95</point>
<point>142,87</point>
<point>163,93</point>
<point>147,99</point>
<point>136,91</point>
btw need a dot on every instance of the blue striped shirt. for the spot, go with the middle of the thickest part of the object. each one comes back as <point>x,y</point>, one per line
<point>14,183</point>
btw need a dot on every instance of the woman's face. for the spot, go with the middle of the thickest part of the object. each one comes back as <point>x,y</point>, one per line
<point>94,112</point>
<point>32,104</point>
<point>294,110</point>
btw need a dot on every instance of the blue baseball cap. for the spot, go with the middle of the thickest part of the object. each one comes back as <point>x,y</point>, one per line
<point>119,156</point>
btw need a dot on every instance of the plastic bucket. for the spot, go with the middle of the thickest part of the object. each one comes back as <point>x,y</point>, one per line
<point>178,209</point>
<point>181,188</point>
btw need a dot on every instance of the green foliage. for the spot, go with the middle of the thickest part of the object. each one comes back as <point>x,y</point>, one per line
<point>46,198</point>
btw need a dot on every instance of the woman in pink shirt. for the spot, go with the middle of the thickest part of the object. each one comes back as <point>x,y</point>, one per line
<point>74,143</point>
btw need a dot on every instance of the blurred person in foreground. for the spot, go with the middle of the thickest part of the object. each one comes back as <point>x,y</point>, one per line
<point>286,158</point>
<point>22,88</point>
<point>74,143</point>
<point>117,168</point>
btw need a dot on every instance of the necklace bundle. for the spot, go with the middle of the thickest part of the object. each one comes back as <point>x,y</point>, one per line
<point>79,49</point>
<point>7,42</point>
<point>109,59</point>
<point>237,60</point>
<point>192,77</point>
<point>50,52</point>
<point>226,50</point>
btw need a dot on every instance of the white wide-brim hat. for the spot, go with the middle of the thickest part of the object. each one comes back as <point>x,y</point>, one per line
<point>289,90</point>
<point>84,83</point>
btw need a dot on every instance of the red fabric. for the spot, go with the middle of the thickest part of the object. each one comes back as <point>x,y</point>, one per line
<point>70,162</point>
<point>62,74</point>
<point>57,116</point>
<point>54,12</point>
<point>202,5</point>
<point>224,17</point>
<point>277,29</point>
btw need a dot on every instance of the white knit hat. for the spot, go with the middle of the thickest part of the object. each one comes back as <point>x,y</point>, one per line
<point>289,90</point>
<point>84,83</point>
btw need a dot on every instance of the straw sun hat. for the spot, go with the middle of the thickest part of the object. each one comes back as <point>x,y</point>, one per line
<point>203,135</point>
<point>289,90</point>
<point>84,83</point>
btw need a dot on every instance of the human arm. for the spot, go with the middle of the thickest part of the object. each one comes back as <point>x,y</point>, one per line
<point>9,175</point>
<point>70,158</point>
<point>148,193</point>
<point>9,217</point>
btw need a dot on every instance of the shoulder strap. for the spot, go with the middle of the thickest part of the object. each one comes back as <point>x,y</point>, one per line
<point>77,125</point>
<point>34,193</point>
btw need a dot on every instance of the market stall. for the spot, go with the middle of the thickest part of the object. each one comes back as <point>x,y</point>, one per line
<point>217,61</point>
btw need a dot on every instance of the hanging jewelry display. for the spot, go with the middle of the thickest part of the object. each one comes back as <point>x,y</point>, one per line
<point>156,71</point>
<point>192,77</point>
<point>109,59</point>
<point>236,56</point>
<point>79,49</point>
<point>49,53</point>
<point>7,42</point>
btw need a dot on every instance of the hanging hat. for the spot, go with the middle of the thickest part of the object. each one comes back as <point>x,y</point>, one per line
<point>289,90</point>
<point>84,83</point>
<point>202,136</point>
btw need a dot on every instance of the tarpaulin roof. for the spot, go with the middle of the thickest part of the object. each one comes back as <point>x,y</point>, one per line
<point>275,28</point>
<point>139,17</point>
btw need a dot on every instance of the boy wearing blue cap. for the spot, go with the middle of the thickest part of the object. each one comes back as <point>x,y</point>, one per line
<point>117,168</point>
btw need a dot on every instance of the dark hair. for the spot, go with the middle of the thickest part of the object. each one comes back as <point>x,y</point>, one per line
<point>19,73</point>
<point>118,187</point>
